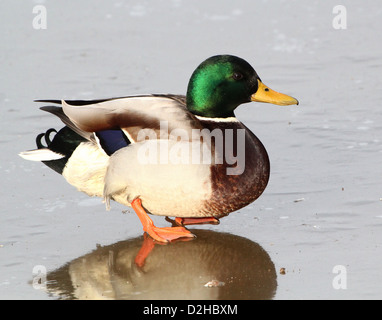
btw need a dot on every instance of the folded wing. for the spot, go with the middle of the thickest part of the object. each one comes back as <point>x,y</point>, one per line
<point>132,114</point>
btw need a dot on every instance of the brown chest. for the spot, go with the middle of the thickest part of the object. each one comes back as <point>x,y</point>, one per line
<point>243,173</point>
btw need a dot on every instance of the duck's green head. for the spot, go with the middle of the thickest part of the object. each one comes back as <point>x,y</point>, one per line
<point>221,83</point>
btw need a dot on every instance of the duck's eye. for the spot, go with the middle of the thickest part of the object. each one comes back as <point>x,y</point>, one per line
<point>237,76</point>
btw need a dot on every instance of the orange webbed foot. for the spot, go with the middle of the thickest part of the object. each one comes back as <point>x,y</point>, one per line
<point>190,221</point>
<point>165,234</point>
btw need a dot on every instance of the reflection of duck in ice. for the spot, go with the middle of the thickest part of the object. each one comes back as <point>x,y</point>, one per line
<point>99,150</point>
<point>213,266</point>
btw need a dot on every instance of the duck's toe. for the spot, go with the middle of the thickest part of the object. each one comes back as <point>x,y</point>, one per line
<point>168,234</point>
<point>190,221</point>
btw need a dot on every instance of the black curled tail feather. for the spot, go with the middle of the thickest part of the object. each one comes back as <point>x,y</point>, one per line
<point>64,142</point>
<point>46,136</point>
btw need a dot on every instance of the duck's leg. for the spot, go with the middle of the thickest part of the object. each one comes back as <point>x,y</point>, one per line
<point>158,234</point>
<point>189,221</point>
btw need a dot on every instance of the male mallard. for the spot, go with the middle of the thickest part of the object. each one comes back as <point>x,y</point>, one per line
<point>187,157</point>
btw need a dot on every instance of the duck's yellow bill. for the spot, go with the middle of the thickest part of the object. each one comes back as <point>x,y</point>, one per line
<point>267,95</point>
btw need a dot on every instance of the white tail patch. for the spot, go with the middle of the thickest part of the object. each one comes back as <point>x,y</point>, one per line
<point>43,154</point>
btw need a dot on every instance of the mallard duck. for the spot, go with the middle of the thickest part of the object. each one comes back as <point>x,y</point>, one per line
<point>186,157</point>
